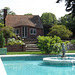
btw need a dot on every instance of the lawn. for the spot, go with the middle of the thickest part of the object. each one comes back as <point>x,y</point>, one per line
<point>71,51</point>
<point>8,53</point>
<point>11,53</point>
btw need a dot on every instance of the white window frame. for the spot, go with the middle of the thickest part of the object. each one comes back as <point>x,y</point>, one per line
<point>15,30</point>
<point>24,32</point>
<point>33,29</point>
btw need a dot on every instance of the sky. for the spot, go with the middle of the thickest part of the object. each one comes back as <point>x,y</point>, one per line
<point>36,7</point>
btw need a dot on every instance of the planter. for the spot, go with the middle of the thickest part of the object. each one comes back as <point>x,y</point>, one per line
<point>3,51</point>
<point>16,48</point>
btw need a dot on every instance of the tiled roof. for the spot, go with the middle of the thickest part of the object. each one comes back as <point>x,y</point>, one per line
<point>23,20</point>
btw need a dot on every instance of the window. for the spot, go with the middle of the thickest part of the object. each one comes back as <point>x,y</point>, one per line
<point>24,32</point>
<point>33,31</point>
<point>16,31</point>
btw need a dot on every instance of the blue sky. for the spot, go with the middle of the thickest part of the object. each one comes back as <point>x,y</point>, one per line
<point>36,7</point>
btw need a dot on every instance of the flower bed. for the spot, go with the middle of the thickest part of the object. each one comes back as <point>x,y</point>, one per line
<point>14,45</point>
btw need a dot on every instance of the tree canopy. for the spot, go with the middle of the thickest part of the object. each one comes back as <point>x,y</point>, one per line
<point>68,22</point>
<point>48,19</point>
<point>61,31</point>
<point>7,31</point>
<point>28,14</point>
<point>70,6</point>
<point>8,12</point>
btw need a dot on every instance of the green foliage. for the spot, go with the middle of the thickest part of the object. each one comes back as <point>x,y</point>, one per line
<point>70,6</point>
<point>13,41</point>
<point>8,32</point>
<point>8,12</point>
<point>50,44</point>
<point>68,21</point>
<point>64,20</point>
<point>28,14</point>
<point>2,40</point>
<point>61,31</point>
<point>48,19</point>
<point>73,41</point>
<point>1,25</point>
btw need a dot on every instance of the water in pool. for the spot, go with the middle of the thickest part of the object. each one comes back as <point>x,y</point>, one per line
<point>36,68</point>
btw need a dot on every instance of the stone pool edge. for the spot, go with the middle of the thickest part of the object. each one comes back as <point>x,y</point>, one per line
<point>35,55</point>
<point>2,69</point>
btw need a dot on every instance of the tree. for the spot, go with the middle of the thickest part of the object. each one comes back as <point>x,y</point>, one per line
<point>8,32</point>
<point>70,6</point>
<point>48,19</point>
<point>65,19</point>
<point>1,25</point>
<point>61,31</point>
<point>8,12</point>
<point>68,22</point>
<point>28,14</point>
<point>2,40</point>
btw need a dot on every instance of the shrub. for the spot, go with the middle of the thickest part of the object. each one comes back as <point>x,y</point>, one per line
<point>8,32</point>
<point>1,25</point>
<point>15,42</point>
<point>49,44</point>
<point>61,31</point>
<point>73,41</point>
<point>2,40</point>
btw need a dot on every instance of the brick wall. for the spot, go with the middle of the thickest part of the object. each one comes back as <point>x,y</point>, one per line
<point>16,48</point>
<point>39,31</point>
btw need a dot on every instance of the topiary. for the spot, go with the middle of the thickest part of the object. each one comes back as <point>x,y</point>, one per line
<point>2,40</point>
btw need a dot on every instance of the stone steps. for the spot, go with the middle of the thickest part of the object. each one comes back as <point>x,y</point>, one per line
<point>31,44</point>
<point>32,47</point>
<point>30,41</point>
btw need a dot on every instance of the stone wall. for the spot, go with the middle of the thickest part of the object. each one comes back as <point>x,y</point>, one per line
<point>16,48</point>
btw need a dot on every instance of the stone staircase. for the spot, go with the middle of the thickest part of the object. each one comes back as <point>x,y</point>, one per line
<point>31,45</point>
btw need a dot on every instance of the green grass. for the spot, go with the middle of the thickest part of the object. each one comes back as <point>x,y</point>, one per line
<point>71,51</point>
<point>11,53</point>
<point>14,53</point>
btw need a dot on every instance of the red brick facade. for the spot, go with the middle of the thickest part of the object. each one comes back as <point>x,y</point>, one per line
<point>39,31</point>
<point>16,48</point>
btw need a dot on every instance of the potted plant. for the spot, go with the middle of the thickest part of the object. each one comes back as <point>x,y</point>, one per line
<point>3,50</point>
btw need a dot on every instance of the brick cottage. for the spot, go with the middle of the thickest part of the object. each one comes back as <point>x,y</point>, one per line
<point>26,26</point>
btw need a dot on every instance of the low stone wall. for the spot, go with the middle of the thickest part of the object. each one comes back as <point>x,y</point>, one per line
<point>71,47</point>
<point>16,48</point>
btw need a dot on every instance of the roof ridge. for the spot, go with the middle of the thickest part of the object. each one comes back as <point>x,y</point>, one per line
<point>21,15</point>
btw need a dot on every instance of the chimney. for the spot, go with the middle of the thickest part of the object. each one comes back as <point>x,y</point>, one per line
<point>5,14</point>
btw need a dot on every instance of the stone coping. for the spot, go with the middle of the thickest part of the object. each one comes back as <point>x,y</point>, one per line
<point>34,55</point>
<point>2,69</point>
<point>59,60</point>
